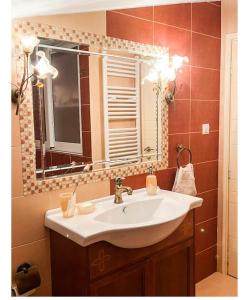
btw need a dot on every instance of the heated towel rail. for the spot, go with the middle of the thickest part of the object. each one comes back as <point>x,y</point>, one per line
<point>121,103</point>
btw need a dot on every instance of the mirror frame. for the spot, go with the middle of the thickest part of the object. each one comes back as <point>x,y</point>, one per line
<point>33,185</point>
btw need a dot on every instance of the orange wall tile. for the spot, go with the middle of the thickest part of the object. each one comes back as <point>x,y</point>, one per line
<point>192,30</point>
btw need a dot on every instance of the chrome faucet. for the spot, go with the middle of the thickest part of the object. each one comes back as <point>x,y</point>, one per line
<point>119,189</point>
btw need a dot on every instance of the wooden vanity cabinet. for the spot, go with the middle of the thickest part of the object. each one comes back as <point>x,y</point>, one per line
<point>101,269</point>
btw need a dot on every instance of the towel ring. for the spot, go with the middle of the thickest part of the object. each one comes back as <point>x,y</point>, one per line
<point>180,148</point>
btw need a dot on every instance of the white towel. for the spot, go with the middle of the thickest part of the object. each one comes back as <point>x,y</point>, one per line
<point>185,181</point>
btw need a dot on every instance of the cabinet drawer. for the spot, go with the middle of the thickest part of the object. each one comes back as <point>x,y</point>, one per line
<point>105,258</point>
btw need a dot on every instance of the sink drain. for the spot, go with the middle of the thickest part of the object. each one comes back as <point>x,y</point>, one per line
<point>124,209</point>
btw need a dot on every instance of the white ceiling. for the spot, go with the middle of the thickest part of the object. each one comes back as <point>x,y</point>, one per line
<point>27,8</point>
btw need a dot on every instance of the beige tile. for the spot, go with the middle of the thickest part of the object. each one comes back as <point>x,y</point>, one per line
<point>217,284</point>
<point>28,218</point>
<point>93,190</point>
<point>17,182</point>
<point>38,254</point>
<point>15,129</point>
<point>94,22</point>
<point>84,192</point>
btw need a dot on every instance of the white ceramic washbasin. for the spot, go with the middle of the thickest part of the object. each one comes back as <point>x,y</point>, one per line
<point>140,221</point>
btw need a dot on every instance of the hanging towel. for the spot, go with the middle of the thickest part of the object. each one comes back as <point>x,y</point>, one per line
<point>185,181</point>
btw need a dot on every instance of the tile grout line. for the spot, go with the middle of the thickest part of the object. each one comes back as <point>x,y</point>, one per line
<point>190,118</point>
<point>207,191</point>
<point>210,219</point>
<point>33,242</point>
<point>200,67</point>
<point>206,161</point>
<point>208,35</point>
<point>169,25</point>
<point>206,249</point>
<point>209,2</point>
<point>191,132</point>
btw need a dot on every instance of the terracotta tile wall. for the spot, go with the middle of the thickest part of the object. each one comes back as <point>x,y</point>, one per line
<point>192,30</point>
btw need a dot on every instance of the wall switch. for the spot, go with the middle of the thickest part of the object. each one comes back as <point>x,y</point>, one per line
<point>205,128</point>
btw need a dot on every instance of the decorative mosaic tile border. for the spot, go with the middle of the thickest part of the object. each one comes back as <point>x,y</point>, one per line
<point>30,184</point>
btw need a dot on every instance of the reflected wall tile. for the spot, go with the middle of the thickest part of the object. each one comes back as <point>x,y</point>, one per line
<point>87,149</point>
<point>86,126</point>
<point>59,158</point>
<point>84,90</point>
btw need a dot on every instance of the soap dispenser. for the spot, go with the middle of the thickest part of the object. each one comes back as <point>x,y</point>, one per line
<point>151,182</point>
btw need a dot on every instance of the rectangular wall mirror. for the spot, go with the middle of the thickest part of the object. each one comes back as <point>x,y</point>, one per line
<point>100,111</point>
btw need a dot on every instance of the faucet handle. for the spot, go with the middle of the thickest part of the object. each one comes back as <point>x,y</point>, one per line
<point>119,180</point>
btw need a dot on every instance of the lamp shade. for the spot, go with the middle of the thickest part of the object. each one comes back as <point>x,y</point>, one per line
<point>29,42</point>
<point>43,68</point>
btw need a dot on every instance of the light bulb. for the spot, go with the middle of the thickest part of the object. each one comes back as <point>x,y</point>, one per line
<point>29,42</point>
<point>161,63</point>
<point>152,76</point>
<point>177,61</point>
<point>43,67</point>
<point>170,74</point>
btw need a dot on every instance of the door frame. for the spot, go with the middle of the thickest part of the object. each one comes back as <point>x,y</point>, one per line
<point>224,151</point>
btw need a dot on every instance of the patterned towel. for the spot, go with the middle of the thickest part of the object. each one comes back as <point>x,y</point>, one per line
<point>185,181</point>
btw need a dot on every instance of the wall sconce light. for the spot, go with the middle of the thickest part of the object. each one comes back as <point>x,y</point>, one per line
<point>163,74</point>
<point>175,64</point>
<point>40,71</point>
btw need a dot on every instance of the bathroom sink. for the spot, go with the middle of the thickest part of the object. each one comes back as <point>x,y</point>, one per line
<point>139,221</point>
<point>139,212</point>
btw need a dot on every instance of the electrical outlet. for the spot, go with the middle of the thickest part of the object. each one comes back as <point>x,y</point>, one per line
<point>205,128</point>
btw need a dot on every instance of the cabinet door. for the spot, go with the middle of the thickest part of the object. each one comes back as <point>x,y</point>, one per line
<point>173,271</point>
<point>126,282</point>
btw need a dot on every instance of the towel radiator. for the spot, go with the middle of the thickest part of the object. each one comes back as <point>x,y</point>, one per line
<point>121,103</point>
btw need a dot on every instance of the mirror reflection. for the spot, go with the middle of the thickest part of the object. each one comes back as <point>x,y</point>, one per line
<point>99,111</point>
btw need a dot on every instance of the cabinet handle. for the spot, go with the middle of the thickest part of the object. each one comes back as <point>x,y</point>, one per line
<point>202,230</point>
